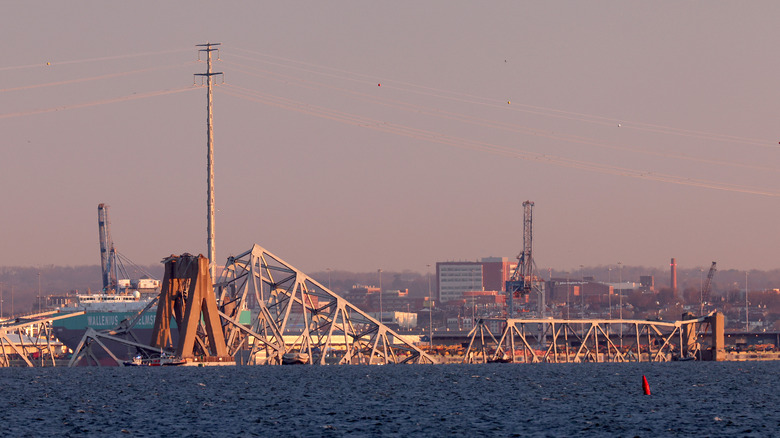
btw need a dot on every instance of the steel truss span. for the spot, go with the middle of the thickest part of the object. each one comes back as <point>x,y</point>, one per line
<point>298,320</point>
<point>16,344</point>
<point>588,340</point>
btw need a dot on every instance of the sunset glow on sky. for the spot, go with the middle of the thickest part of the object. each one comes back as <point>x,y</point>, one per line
<point>365,135</point>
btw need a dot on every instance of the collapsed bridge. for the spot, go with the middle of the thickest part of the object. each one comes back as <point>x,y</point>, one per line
<point>292,318</point>
<point>596,340</point>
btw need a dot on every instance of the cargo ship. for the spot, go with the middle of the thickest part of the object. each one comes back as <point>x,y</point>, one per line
<point>106,312</point>
<point>120,299</point>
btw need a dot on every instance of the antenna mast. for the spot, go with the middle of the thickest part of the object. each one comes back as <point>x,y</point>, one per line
<point>212,252</point>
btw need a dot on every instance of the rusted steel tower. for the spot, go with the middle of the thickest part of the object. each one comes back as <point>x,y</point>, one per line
<point>188,296</point>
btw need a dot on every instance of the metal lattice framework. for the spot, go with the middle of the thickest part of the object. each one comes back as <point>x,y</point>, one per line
<point>588,340</point>
<point>296,315</point>
<point>14,339</point>
<point>521,281</point>
<point>122,334</point>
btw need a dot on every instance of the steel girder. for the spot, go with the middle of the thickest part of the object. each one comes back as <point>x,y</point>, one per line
<point>92,337</point>
<point>122,334</point>
<point>587,340</point>
<point>295,317</point>
<point>39,323</point>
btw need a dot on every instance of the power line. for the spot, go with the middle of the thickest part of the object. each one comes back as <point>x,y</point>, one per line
<point>436,137</point>
<point>516,106</point>
<point>92,78</point>
<point>85,60</point>
<point>96,102</point>
<point>495,124</point>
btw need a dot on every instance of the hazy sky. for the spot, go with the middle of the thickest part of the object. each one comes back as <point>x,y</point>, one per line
<point>641,130</point>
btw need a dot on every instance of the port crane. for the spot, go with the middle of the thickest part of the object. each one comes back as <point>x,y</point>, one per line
<point>705,292</point>
<point>107,252</point>
<point>112,262</point>
<point>520,281</point>
<point>523,280</point>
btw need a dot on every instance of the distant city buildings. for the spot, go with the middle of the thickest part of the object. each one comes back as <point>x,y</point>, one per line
<point>647,283</point>
<point>455,279</point>
<point>367,298</point>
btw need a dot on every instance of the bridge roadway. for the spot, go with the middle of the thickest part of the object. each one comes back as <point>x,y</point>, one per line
<point>732,338</point>
<point>18,348</point>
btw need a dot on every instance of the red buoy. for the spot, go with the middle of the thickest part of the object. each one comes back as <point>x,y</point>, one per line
<point>645,385</point>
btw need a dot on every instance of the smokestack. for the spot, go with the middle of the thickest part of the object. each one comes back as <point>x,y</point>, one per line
<point>674,276</point>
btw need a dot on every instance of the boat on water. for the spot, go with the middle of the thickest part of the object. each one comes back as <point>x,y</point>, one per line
<point>159,361</point>
<point>295,358</point>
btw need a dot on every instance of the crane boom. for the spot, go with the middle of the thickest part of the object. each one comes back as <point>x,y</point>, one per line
<point>706,290</point>
<point>107,253</point>
<point>521,281</point>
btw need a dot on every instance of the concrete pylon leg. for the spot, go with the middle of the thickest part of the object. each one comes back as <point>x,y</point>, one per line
<point>688,336</point>
<point>718,323</point>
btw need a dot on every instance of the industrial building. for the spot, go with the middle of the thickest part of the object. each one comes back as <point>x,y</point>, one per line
<point>455,279</point>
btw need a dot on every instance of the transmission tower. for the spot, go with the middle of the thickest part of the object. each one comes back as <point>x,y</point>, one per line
<point>208,48</point>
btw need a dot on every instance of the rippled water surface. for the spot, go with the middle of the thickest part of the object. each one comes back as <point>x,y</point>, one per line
<point>705,399</point>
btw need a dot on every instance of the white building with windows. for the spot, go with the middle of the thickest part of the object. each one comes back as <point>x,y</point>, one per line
<point>455,278</point>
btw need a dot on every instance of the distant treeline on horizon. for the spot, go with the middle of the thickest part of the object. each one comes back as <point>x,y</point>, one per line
<point>67,279</point>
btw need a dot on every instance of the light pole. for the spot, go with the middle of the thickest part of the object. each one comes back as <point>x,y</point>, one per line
<point>568,285</point>
<point>329,280</point>
<point>609,292</point>
<point>380,294</point>
<point>1,300</point>
<point>582,294</point>
<point>747,314</point>
<point>39,291</point>
<point>430,309</point>
<point>620,291</point>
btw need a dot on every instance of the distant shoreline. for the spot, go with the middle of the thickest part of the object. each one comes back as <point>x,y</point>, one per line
<point>751,355</point>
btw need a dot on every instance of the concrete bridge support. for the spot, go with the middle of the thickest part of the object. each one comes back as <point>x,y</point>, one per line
<point>717,350</point>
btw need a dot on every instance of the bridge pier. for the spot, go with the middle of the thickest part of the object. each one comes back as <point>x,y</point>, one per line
<point>717,351</point>
<point>690,343</point>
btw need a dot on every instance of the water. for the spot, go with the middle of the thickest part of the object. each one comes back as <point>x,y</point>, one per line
<point>705,399</point>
